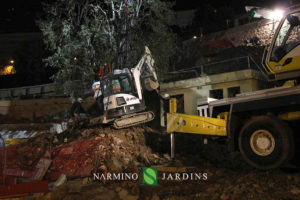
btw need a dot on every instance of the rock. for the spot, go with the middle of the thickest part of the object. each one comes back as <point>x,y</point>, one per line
<point>123,193</point>
<point>85,181</point>
<point>131,197</point>
<point>101,147</point>
<point>129,135</point>
<point>72,197</point>
<point>107,195</point>
<point>118,189</point>
<point>297,178</point>
<point>167,156</point>
<point>74,188</point>
<point>61,180</point>
<point>126,161</point>
<point>221,172</point>
<point>155,197</point>
<point>295,191</point>
<point>116,165</point>
<point>117,141</point>
<point>211,189</point>
<point>224,196</point>
<point>47,196</point>
<point>84,134</point>
<point>135,189</point>
<point>55,140</point>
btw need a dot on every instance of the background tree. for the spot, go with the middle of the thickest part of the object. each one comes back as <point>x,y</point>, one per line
<point>83,35</point>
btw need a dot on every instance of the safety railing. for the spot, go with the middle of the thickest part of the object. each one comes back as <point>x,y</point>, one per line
<point>229,65</point>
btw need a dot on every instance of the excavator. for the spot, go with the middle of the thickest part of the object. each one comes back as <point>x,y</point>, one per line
<point>119,94</point>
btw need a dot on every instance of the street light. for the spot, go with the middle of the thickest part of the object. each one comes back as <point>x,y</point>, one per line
<point>11,61</point>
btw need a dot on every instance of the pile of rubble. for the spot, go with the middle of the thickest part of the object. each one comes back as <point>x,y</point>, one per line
<point>78,154</point>
<point>61,167</point>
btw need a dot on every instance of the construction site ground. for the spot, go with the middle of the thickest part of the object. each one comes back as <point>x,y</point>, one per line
<point>78,153</point>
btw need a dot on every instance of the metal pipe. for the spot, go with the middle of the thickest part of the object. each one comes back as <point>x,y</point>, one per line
<point>248,60</point>
<point>172,145</point>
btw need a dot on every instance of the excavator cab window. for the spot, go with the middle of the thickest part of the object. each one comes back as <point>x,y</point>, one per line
<point>117,84</point>
<point>121,84</point>
<point>125,84</point>
<point>287,38</point>
<point>106,89</point>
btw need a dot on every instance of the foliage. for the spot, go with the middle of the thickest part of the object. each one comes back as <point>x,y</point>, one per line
<point>83,35</point>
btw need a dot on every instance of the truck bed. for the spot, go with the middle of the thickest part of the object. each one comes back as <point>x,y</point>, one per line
<point>261,99</point>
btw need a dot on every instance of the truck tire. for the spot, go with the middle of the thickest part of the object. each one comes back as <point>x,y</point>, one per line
<point>266,142</point>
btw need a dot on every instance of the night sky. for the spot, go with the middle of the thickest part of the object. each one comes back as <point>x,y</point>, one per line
<point>20,16</point>
<point>20,37</point>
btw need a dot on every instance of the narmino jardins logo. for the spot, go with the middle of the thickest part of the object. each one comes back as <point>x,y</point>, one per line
<point>149,176</point>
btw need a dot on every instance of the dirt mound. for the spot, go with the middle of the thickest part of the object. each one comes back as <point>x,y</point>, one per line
<point>81,152</point>
<point>78,154</point>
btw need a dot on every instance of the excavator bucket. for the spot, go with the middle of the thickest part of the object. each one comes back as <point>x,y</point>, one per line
<point>150,84</point>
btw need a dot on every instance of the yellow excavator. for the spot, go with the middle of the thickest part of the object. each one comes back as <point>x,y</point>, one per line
<point>263,125</point>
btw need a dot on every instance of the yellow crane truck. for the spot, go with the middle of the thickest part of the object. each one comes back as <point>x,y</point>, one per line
<point>263,125</point>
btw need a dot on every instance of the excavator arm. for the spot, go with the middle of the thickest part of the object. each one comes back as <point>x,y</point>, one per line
<point>151,81</point>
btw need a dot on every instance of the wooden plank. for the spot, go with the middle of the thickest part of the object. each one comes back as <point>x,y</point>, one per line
<point>41,168</point>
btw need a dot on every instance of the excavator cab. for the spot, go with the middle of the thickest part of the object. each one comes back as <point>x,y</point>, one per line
<point>118,83</point>
<point>283,57</point>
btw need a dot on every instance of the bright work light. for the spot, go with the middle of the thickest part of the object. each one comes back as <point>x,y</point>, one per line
<point>276,14</point>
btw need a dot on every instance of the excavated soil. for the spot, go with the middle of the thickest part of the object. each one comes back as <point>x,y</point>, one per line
<point>228,176</point>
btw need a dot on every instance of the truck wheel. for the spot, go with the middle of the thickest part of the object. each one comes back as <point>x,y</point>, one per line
<point>266,142</point>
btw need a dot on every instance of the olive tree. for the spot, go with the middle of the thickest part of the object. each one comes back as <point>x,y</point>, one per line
<point>83,35</point>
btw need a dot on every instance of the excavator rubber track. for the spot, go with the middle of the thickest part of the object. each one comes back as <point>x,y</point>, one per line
<point>133,119</point>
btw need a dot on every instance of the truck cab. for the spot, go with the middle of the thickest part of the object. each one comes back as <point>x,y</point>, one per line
<point>282,58</point>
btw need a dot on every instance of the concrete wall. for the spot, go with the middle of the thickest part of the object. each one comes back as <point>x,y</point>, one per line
<point>45,90</point>
<point>193,89</point>
<point>36,110</point>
